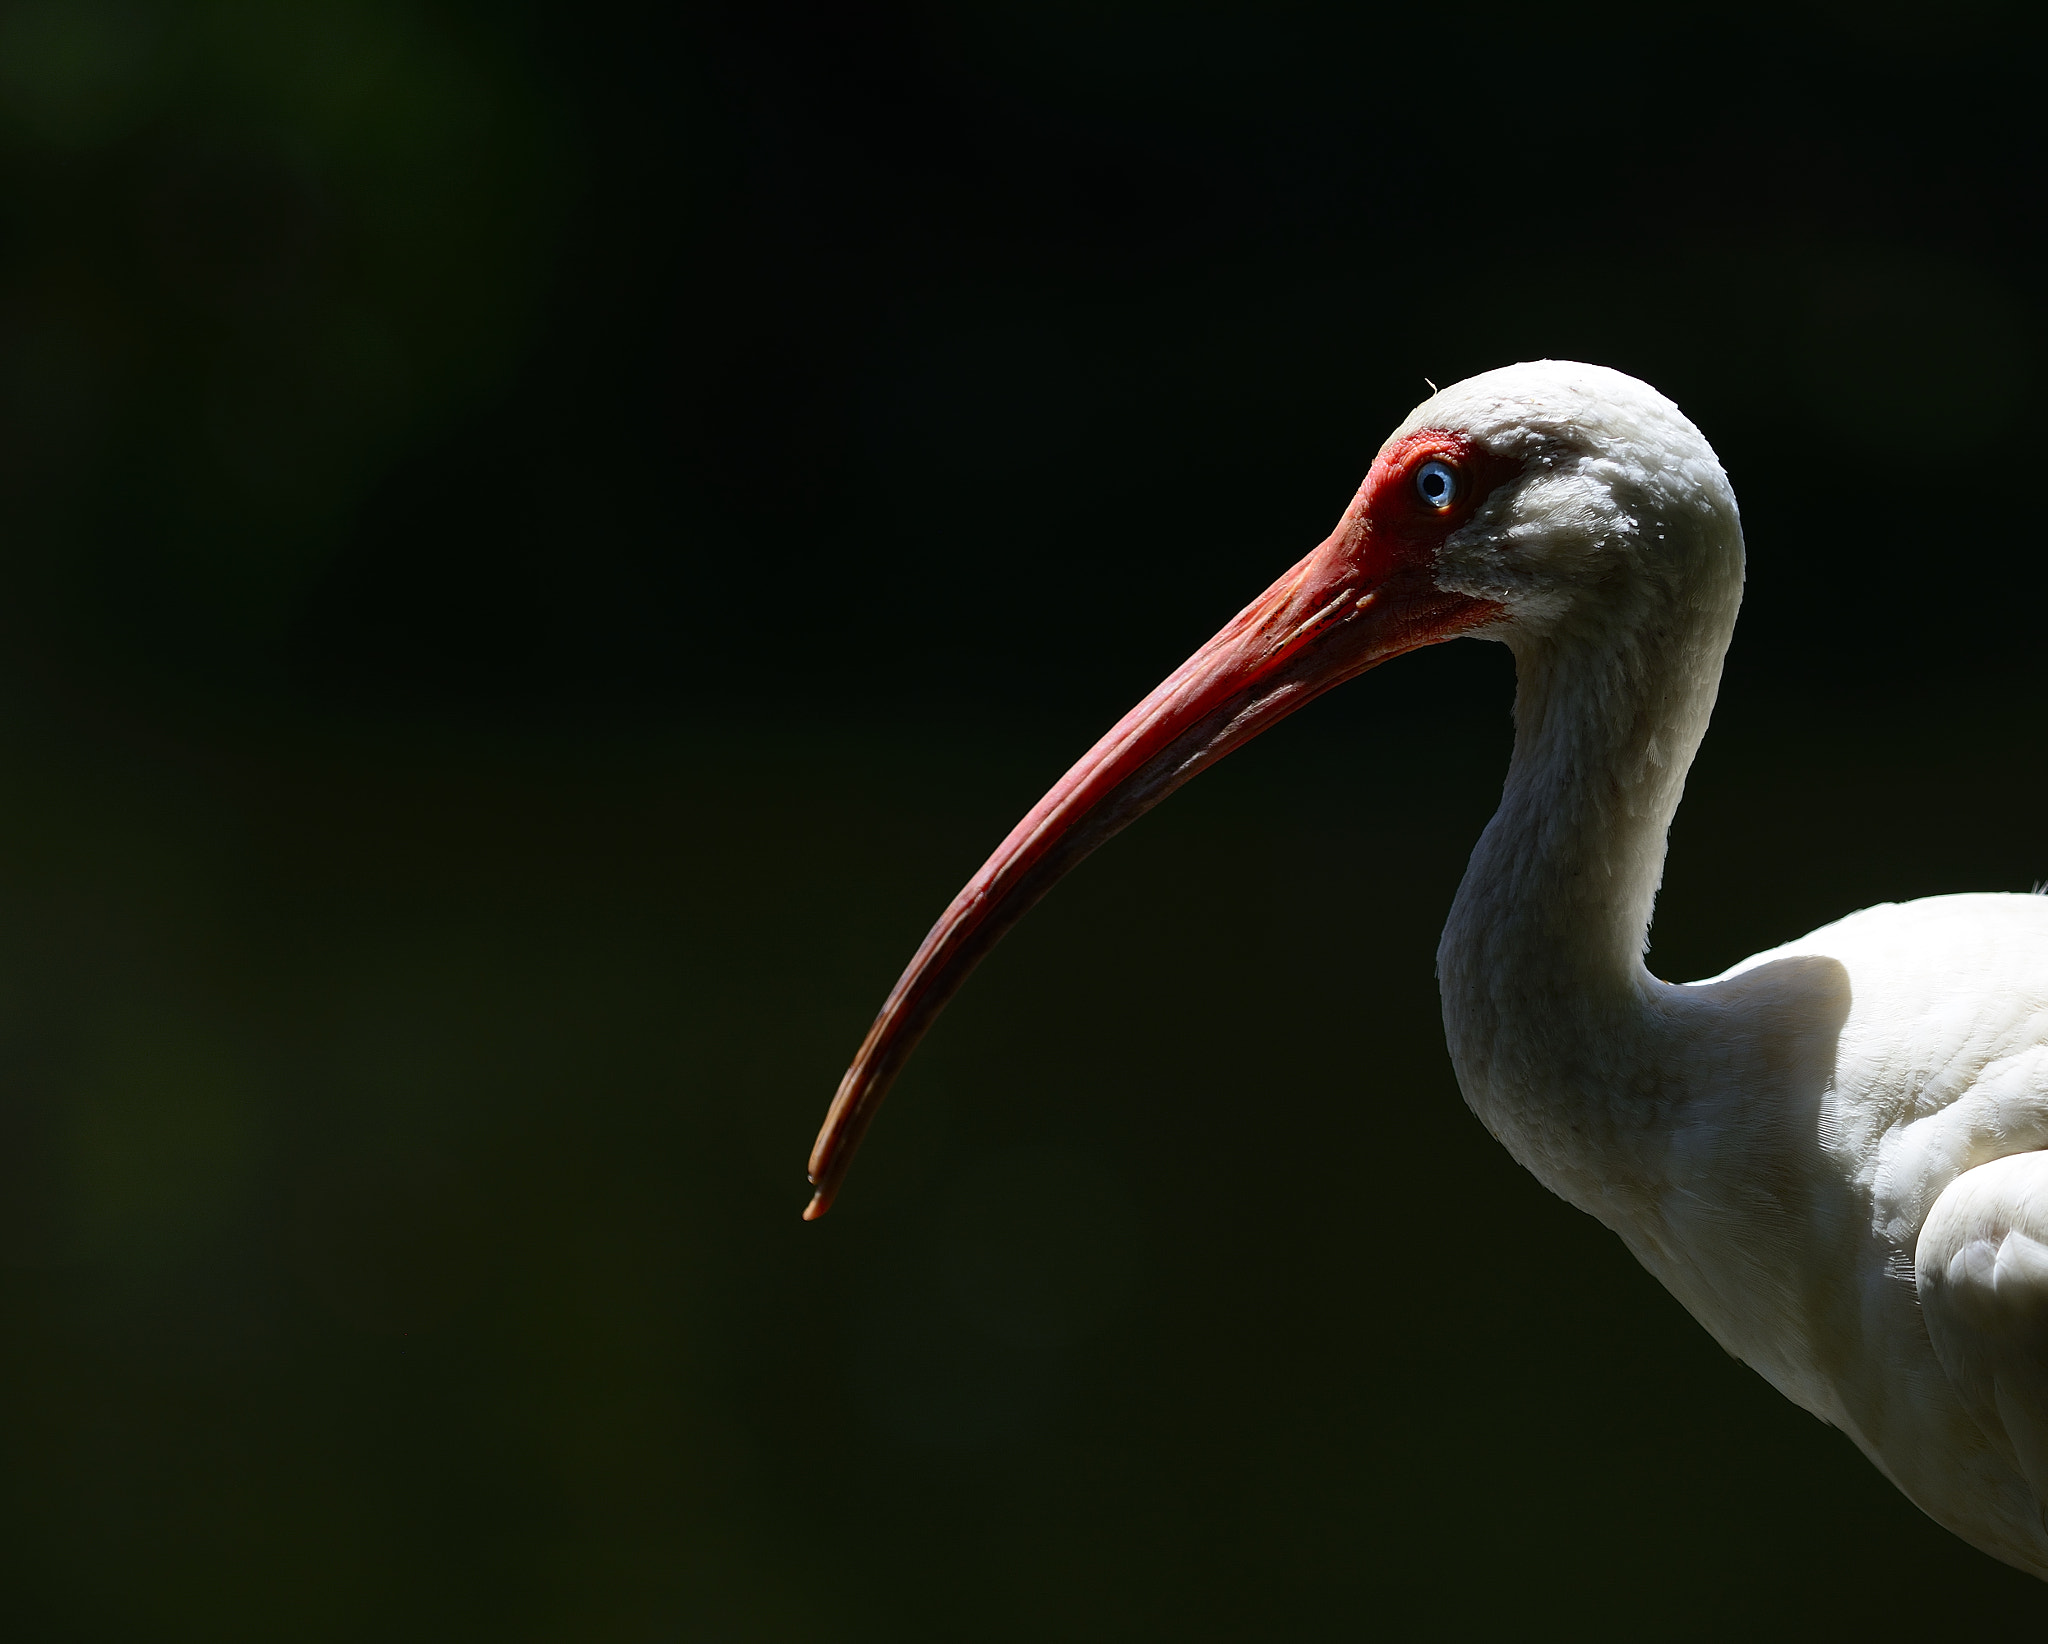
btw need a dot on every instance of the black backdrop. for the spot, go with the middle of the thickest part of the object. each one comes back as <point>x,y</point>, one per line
<point>537,357</point>
<point>543,541</point>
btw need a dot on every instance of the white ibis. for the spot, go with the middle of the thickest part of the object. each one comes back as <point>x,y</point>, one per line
<point>1832,1153</point>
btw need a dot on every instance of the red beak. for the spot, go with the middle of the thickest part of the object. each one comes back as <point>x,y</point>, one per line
<point>1366,594</point>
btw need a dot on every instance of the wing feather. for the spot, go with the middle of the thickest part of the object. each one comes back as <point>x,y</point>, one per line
<point>1982,1265</point>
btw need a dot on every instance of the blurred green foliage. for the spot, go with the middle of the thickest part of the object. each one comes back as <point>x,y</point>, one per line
<point>254,255</point>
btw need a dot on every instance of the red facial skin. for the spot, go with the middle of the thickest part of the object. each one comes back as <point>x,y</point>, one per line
<point>1367,593</point>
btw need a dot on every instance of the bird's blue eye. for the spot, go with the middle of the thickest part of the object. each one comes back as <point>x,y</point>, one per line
<point>1437,484</point>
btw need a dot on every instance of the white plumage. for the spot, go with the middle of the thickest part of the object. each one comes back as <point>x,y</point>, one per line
<point>1827,1153</point>
<point>1832,1153</point>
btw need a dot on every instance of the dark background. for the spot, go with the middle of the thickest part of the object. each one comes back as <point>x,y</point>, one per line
<point>542,542</point>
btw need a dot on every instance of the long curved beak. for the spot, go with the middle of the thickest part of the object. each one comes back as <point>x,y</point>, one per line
<point>1349,605</point>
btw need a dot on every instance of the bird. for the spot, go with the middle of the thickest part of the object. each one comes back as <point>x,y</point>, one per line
<point>1835,1153</point>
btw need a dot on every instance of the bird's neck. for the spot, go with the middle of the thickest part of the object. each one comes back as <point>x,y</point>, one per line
<point>1547,1003</point>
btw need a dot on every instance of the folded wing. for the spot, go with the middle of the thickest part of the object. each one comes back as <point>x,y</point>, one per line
<point>1982,1269</point>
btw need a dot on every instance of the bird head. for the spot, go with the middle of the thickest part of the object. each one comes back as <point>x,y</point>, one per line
<point>1590,501</point>
<point>1530,504</point>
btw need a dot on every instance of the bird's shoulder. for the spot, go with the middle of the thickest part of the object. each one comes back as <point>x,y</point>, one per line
<point>1941,1063</point>
<point>1981,928</point>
